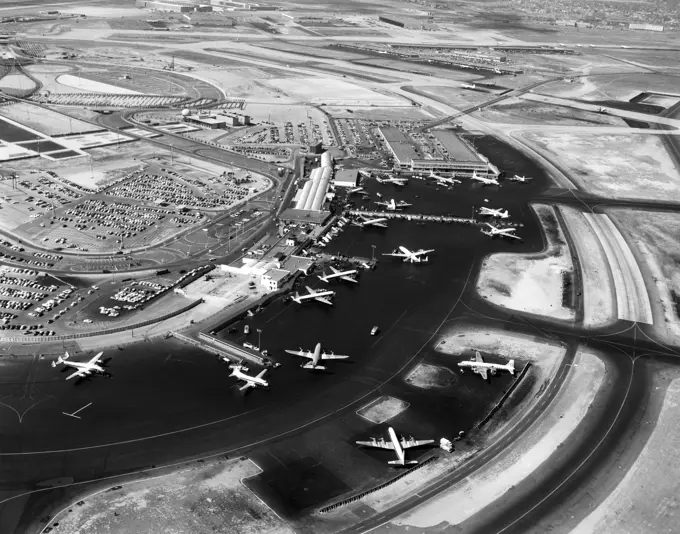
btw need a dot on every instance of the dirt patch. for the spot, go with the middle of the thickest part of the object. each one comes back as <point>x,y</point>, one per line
<point>382,409</point>
<point>431,376</point>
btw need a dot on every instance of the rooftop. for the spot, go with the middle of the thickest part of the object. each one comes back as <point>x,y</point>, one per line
<point>305,216</point>
<point>458,149</point>
<point>401,147</point>
<point>276,274</point>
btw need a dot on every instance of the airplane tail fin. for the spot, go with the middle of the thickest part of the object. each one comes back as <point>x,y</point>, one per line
<point>511,367</point>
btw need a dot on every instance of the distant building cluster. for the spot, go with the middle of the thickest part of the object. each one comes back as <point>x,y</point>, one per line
<point>313,193</point>
<point>216,121</point>
<point>411,23</point>
<point>191,6</point>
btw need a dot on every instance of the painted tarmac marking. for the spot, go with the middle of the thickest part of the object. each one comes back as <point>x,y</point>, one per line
<point>78,410</point>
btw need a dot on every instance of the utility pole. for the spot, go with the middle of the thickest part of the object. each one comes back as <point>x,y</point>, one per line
<point>259,333</point>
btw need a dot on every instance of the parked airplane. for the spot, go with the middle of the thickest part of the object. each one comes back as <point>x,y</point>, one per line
<point>398,446</point>
<point>250,381</point>
<point>316,295</point>
<point>355,190</point>
<point>468,85</point>
<point>363,222</point>
<point>442,180</point>
<point>518,178</point>
<point>343,275</point>
<point>479,366</point>
<point>407,255</point>
<point>502,232</point>
<point>392,205</point>
<point>485,181</point>
<point>315,356</point>
<point>83,369</point>
<point>392,180</point>
<point>498,213</point>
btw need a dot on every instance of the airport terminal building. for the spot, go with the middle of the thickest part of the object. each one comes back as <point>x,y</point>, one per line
<point>459,157</point>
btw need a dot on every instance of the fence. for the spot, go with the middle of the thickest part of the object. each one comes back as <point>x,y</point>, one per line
<point>355,498</point>
<point>104,332</point>
<point>504,397</point>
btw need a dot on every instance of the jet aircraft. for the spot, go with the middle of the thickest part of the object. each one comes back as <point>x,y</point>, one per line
<point>397,445</point>
<point>498,213</point>
<point>316,295</point>
<point>485,181</point>
<point>442,180</point>
<point>343,275</point>
<point>392,205</point>
<point>407,255</point>
<point>501,232</point>
<point>363,222</point>
<point>83,369</point>
<point>315,357</point>
<point>250,381</point>
<point>479,366</point>
<point>518,178</point>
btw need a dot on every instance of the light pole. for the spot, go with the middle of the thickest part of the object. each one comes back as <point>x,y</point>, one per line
<point>259,333</point>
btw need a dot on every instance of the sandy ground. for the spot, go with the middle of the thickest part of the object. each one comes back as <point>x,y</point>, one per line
<point>430,376</point>
<point>599,301</point>
<point>44,120</point>
<point>16,81</point>
<point>517,111</point>
<point>632,298</point>
<point>522,458</point>
<point>330,91</point>
<point>198,500</point>
<point>613,166</point>
<point>76,82</point>
<point>382,409</point>
<point>647,499</point>
<point>530,283</point>
<point>655,235</point>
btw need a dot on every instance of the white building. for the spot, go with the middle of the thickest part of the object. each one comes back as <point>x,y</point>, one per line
<point>273,279</point>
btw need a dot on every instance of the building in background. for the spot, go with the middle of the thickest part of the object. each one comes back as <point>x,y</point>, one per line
<point>647,27</point>
<point>346,178</point>
<point>273,279</point>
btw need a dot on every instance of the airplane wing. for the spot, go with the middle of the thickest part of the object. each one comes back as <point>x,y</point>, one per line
<point>395,254</point>
<point>478,357</point>
<point>95,359</point>
<point>333,357</point>
<point>348,278</point>
<point>324,300</point>
<point>79,372</point>
<point>261,374</point>
<point>481,371</point>
<point>421,251</point>
<point>377,444</point>
<point>311,291</point>
<point>335,271</point>
<point>246,386</point>
<point>302,353</point>
<point>415,443</point>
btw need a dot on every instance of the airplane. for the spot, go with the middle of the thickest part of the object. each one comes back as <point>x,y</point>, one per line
<point>502,232</point>
<point>518,178</point>
<point>392,205</point>
<point>499,213</point>
<point>485,181</point>
<point>442,180</point>
<point>365,174</point>
<point>251,381</point>
<point>413,257</point>
<point>315,356</point>
<point>401,182</point>
<point>363,222</point>
<point>398,446</point>
<point>343,275</point>
<point>468,85</point>
<point>83,369</point>
<point>479,366</point>
<point>316,295</point>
